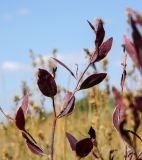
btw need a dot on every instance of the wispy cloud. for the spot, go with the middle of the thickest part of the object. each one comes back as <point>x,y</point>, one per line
<point>10,66</point>
<point>68,59</point>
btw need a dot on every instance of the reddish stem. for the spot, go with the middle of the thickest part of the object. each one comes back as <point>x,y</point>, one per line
<point>53,131</point>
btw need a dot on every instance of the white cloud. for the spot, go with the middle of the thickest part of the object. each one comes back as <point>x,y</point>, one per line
<point>69,59</point>
<point>10,66</point>
<point>72,58</point>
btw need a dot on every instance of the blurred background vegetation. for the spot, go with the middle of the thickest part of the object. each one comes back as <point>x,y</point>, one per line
<point>94,109</point>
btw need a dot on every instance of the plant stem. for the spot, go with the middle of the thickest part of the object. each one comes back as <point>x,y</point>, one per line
<point>82,76</point>
<point>53,130</point>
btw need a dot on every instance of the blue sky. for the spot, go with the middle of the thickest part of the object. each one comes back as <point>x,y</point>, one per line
<point>44,25</point>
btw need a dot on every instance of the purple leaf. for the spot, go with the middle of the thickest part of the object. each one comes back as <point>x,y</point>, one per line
<point>33,147</point>
<point>72,140</point>
<point>119,116</point>
<point>68,105</point>
<point>91,25</point>
<point>116,118</point>
<point>61,63</point>
<point>20,119</point>
<point>130,48</point>
<point>93,80</point>
<point>137,39</point>
<point>84,147</point>
<point>118,97</point>
<point>46,83</point>
<point>100,33</point>
<point>25,103</point>
<point>124,134</point>
<point>92,133</point>
<point>119,119</point>
<point>104,49</point>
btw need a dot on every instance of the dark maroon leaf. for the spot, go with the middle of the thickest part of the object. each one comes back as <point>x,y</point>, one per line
<point>20,119</point>
<point>91,25</point>
<point>104,49</point>
<point>100,33</point>
<point>25,103</point>
<point>46,83</point>
<point>72,140</point>
<point>118,97</point>
<point>116,118</point>
<point>33,147</point>
<point>137,39</point>
<point>61,63</point>
<point>119,116</point>
<point>93,80</point>
<point>84,147</point>
<point>119,119</point>
<point>130,48</point>
<point>68,105</point>
<point>124,133</point>
<point>92,133</point>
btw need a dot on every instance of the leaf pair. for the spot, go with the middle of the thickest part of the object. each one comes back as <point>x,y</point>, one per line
<point>102,49</point>
<point>68,105</point>
<point>69,99</point>
<point>84,146</point>
<point>20,123</point>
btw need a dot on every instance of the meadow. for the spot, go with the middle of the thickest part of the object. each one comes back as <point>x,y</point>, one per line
<point>104,124</point>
